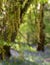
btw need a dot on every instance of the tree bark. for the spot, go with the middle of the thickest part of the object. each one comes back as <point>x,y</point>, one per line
<point>10,30</point>
<point>41,33</point>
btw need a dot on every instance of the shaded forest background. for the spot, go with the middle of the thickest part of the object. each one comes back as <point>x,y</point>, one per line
<point>24,22</point>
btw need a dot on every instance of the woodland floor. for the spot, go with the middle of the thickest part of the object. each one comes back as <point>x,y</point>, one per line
<point>30,57</point>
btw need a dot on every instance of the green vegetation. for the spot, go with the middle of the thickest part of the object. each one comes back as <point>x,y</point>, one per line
<point>24,32</point>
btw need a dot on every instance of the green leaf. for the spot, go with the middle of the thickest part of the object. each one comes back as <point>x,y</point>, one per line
<point>43,1</point>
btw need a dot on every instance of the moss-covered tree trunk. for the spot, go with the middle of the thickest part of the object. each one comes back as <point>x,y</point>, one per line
<point>41,26</point>
<point>16,23</point>
<point>11,22</point>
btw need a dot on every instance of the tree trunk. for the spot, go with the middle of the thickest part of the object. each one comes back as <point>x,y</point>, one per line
<point>7,51</point>
<point>41,37</point>
<point>11,22</point>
